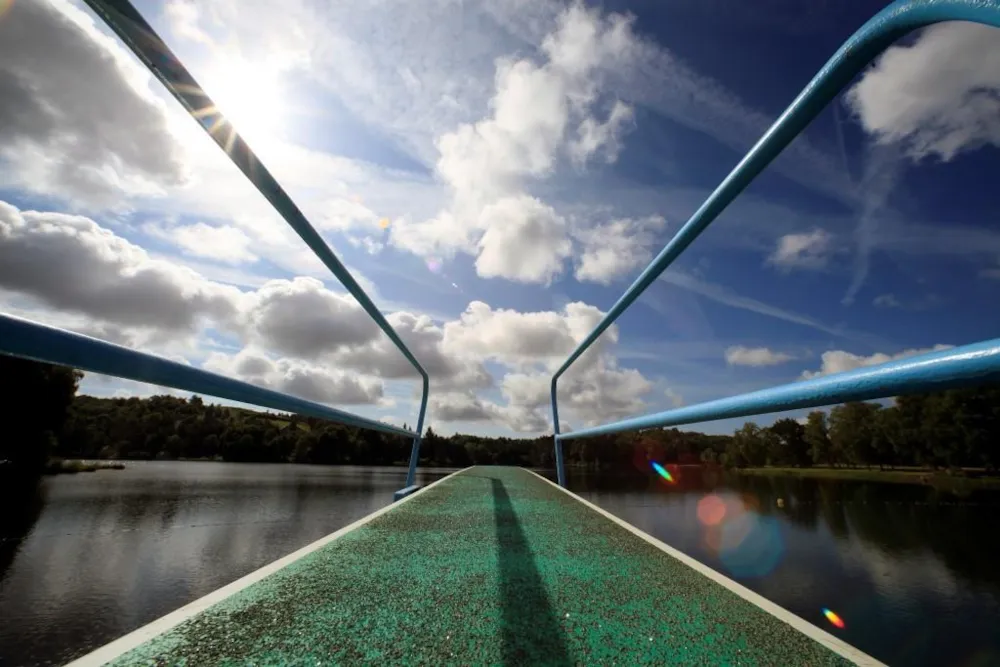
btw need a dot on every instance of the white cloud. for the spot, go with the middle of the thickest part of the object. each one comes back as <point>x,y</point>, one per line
<point>299,378</point>
<point>460,407</point>
<point>488,164</point>
<point>441,236</point>
<point>321,344</point>
<point>534,105</point>
<point>466,407</point>
<point>593,136</point>
<point>939,96</point>
<point>755,356</point>
<point>450,368</point>
<point>77,118</point>
<point>72,263</point>
<point>302,318</point>
<point>839,361</point>
<point>223,243</point>
<point>184,17</point>
<point>518,339</point>
<point>344,214</point>
<point>594,394</point>
<point>810,250</point>
<point>525,241</point>
<point>616,248</point>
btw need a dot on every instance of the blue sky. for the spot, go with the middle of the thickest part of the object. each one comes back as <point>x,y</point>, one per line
<point>497,174</point>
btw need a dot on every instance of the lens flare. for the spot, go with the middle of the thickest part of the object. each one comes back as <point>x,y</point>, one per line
<point>5,6</point>
<point>433,265</point>
<point>833,618</point>
<point>384,223</point>
<point>662,472</point>
<point>711,510</point>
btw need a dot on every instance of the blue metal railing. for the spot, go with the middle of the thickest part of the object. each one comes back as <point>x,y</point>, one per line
<point>28,339</point>
<point>939,370</point>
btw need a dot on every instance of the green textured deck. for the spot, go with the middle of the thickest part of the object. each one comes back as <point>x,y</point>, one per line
<point>490,566</point>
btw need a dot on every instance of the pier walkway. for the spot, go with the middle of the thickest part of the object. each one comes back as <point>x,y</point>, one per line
<point>490,565</point>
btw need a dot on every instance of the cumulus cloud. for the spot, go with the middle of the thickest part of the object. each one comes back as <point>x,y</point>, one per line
<point>299,378</point>
<point>535,104</point>
<point>593,137</point>
<point>319,344</point>
<point>616,248</point>
<point>539,113</point>
<point>301,317</point>
<point>938,96</point>
<point>839,361</point>
<point>810,250</point>
<point>461,407</point>
<point>516,339</point>
<point>755,356</point>
<point>467,407</point>
<point>72,263</point>
<point>450,368</point>
<point>222,243</point>
<point>77,118</point>
<point>525,241</point>
<point>595,394</point>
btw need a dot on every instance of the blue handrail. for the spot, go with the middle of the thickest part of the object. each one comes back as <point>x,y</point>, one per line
<point>122,17</point>
<point>30,340</point>
<point>893,22</point>
<point>936,371</point>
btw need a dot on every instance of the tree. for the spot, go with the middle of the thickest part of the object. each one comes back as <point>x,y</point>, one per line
<point>747,448</point>
<point>34,400</point>
<point>817,438</point>
<point>977,417</point>
<point>792,448</point>
<point>852,431</point>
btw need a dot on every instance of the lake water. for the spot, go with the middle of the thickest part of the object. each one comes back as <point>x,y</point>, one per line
<point>913,573</point>
<point>88,557</point>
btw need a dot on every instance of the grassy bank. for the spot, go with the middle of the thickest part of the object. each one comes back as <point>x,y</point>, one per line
<point>68,466</point>
<point>966,478</point>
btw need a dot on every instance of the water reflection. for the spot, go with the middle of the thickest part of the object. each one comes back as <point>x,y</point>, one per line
<point>910,570</point>
<point>86,558</point>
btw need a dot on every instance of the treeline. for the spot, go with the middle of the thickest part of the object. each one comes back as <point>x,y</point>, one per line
<point>955,428</point>
<point>43,417</point>
<point>167,427</point>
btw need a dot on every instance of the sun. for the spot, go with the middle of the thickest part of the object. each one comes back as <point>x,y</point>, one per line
<point>249,95</point>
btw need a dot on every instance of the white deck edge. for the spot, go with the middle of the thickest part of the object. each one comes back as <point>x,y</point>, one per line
<point>838,646</point>
<point>136,638</point>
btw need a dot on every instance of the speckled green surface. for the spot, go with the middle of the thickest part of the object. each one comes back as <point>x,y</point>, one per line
<point>491,566</point>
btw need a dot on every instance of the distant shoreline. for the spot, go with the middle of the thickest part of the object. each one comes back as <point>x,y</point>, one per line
<point>970,478</point>
<point>71,466</point>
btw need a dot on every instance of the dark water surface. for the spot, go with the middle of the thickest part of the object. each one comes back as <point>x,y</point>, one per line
<point>915,574</point>
<point>106,552</point>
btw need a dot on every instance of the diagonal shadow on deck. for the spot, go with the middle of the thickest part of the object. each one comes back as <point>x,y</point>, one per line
<point>530,627</point>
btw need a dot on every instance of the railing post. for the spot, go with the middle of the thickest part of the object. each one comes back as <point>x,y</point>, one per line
<point>411,474</point>
<point>556,444</point>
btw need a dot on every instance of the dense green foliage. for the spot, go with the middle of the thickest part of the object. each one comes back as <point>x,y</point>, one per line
<point>952,428</point>
<point>170,427</point>
<point>34,399</point>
